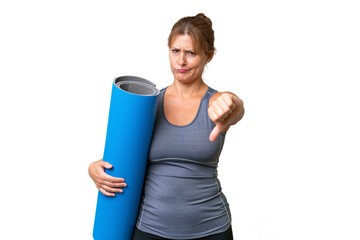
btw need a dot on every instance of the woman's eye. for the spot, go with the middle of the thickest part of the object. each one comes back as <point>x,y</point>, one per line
<point>191,53</point>
<point>175,50</point>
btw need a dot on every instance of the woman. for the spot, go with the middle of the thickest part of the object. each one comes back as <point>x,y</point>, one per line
<point>182,197</point>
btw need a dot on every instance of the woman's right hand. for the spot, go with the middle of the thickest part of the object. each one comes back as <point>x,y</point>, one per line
<point>107,184</point>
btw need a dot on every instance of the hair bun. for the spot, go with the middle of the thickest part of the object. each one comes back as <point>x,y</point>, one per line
<point>202,16</point>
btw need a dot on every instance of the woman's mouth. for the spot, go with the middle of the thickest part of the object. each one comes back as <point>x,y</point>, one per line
<point>182,70</point>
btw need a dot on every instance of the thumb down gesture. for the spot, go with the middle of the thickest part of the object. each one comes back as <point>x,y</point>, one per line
<point>225,109</point>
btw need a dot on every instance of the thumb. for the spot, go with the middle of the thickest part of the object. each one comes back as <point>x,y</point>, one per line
<point>106,165</point>
<point>216,131</point>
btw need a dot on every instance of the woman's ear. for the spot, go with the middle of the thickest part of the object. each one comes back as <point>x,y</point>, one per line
<point>211,55</point>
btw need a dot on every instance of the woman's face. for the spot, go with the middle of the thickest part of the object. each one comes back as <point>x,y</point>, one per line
<point>187,65</point>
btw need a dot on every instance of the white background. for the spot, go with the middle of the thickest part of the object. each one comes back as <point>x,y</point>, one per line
<point>290,168</point>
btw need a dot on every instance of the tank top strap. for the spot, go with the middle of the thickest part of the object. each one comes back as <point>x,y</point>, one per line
<point>211,91</point>
<point>203,117</point>
<point>206,98</point>
<point>160,98</point>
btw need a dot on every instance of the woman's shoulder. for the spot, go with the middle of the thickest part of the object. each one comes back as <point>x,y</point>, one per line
<point>214,94</point>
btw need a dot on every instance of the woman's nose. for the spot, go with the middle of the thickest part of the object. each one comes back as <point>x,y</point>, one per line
<point>182,59</point>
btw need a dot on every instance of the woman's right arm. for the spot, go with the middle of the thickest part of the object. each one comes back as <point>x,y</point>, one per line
<point>107,184</point>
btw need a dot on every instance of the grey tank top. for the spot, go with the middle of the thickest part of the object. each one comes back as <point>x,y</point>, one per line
<point>182,197</point>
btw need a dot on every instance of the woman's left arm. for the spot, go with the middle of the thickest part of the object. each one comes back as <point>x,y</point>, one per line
<point>225,109</point>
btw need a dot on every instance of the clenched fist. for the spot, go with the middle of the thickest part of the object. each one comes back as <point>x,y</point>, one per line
<point>225,109</point>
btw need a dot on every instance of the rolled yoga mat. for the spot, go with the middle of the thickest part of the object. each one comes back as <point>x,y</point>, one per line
<point>129,131</point>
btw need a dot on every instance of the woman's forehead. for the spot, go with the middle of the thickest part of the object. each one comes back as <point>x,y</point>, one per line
<point>182,41</point>
<point>185,41</point>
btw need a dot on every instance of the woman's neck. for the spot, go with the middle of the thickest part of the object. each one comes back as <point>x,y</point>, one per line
<point>182,90</point>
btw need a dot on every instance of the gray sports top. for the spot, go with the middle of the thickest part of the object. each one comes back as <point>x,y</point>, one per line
<point>182,196</point>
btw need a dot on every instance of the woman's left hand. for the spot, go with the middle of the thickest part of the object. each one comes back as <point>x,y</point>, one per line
<point>225,109</point>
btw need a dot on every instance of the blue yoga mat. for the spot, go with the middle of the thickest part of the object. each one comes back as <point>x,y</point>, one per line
<point>129,131</point>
